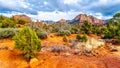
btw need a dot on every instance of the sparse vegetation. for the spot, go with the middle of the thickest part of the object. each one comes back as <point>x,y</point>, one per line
<point>86,27</point>
<point>41,35</point>
<point>27,42</point>
<point>6,22</point>
<point>59,48</point>
<point>64,32</point>
<point>82,38</point>
<point>8,32</point>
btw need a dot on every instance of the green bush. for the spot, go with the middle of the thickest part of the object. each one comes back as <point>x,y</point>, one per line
<point>74,30</point>
<point>108,34</point>
<point>7,23</point>
<point>64,32</point>
<point>8,32</point>
<point>84,38</point>
<point>60,26</point>
<point>41,35</point>
<point>86,27</point>
<point>81,38</point>
<point>65,39</point>
<point>78,37</point>
<point>27,42</point>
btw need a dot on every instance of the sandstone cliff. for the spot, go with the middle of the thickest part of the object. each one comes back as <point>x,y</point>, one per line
<point>22,17</point>
<point>82,17</point>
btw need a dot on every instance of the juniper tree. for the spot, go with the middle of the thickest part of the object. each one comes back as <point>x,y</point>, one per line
<point>27,42</point>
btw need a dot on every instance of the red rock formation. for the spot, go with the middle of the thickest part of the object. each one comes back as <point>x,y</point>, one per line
<point>82,17</point>
<point>62,21</point>
<point>22,17</point>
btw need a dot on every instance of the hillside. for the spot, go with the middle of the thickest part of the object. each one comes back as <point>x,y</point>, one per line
<point>22,17</point>
<point>82,17</point>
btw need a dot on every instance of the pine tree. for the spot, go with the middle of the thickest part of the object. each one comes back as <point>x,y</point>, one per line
<point>27,42</point>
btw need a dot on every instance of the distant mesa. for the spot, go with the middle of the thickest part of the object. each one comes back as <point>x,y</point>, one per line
<point>79,19</point>
<point>62,21</point>
<point>22,17</point>
<point>82,17</point>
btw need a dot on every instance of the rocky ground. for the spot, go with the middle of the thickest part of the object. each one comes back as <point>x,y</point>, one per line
<point>58,54</point>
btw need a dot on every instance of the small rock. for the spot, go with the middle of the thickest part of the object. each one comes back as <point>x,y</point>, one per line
<point>67,54</point>
<point>88,54</point>
<point>33,60</point>
<point>77,52</point>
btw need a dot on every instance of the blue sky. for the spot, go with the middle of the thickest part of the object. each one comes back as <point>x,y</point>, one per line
<point>58,9</point>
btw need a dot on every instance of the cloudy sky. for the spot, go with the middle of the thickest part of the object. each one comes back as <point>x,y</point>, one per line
<point>58,9</point>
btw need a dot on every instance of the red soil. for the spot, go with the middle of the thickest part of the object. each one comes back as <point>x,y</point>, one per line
<point>50,60</point>
<point>12,59</point>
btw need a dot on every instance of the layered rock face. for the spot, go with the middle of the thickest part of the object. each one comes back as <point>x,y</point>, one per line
<point>22,17</point>
<point>82,17</point>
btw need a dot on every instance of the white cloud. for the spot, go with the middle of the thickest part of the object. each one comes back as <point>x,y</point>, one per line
<point>70,1</point>
<point>56,15</point>
<point>45,7</point>
<point>17,6</point>
<point>14,3</point>
<point>9,14</point>
<point>105,2</point>
<point>45,3</point>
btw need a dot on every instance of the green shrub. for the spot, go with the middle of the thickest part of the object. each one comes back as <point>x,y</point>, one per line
<point>108,34</point>
<point>59,26</point>
<point>7,23</point>
<point>74,29</point>
<point>8,32</point>
<point>81,38</point>
<point>84,38</point>
<point>27,42</point>
<point>55,29</point>
<point>86,27</point>
<point>78,37</point>
<point>41,35</point>
<point>64,32</point>
<point>65,39</point>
